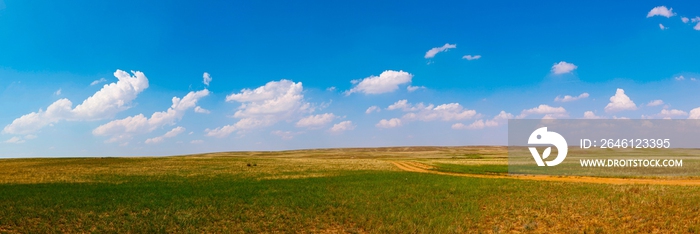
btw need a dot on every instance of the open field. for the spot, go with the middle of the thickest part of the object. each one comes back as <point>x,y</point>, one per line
<point>384,190</point>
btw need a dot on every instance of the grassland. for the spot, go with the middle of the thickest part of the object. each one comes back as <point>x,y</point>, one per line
<point>325,191</point>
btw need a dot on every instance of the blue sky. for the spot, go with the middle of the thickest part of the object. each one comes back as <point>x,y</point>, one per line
<point>288,75</point>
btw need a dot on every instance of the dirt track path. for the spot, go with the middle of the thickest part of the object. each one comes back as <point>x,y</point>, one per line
<point>423,168</point>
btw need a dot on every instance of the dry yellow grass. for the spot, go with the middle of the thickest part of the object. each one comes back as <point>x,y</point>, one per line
<point>269,165</point>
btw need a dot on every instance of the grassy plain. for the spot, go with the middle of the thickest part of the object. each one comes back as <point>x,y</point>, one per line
<point>325,191</point>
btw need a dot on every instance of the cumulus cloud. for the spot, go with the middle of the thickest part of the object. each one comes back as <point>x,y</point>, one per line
<point>694,113</point>
<point>170,134</point>
<point>112,98</point>
<point>679,78</point>
<point>105,103</point>
<point>478,124</point>
<point>697,26</point>
<point>661,11</point>
<point>373,109</point>
<point>568,98</point>
<point>546,110</point>
<point>386,82</point>
<point>199,109</point>
<point>503,115</point>
<point>411,88</point>
<point>432,52</point>
<point>662,27</point>
<point>655,103</point>
<point>470,57</point>
<point>563,67</point>
<point>206,78</point>
<point>401,104</point>
<point>405,106</point>
<point>123,129</point>
<point>426,113</point>
<point>264,106</point>
<point>96,82</point>
<point>497,120</point>
<point>342,126</point>
<point>590,115</point>
<point>667,114</point>
<point>620,102</point>
<point>58,92</point>
<point>685,19</point>
<point>444,112</point>
<point>315,121</point>
<point>391,123</point>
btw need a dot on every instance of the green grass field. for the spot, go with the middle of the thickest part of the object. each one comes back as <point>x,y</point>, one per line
<point>324,191</point>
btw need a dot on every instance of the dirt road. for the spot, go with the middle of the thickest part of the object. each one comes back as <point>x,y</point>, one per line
<point>423,168</point>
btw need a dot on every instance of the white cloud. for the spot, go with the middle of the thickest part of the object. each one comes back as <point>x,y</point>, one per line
<point>170,134</point>
<point>373,109</point>
<point>444,112</point>
<point>697,26</point>
<point>470,57</point>
<point>386,82</point>
<point>694,113</point>
<point>548,111</point>
<point>20,140</point>
<point>503,116</point>
<point>411,88</point>
<point>679,78</point>
<point>405,106</point>
<point>106,102</point>
<point>696,19</point>
<point>331,89</point>
<point>400,104</point>
<point>655,103</point>
<point>563,67</point>
<point>667,114</point>
<point>590,115</point>
<point>58,92</point>
<point>662,27</point>
<point>497,120</point>
<point>661,11</point>
<point>112,98</point>
<point>196,142</point>
<point>620,102</point>
<point>342,126</point>
<point>315,121</point>
<point>285,135</point>
<point>122,129</point>
<point>206,78</point>
<point>432,52</point>
<point>391,123</point>
<point>15,140</point>
<point>199,109</point>
<point>478,124</point>
<point>568,98</point>
<point>685,19</point>
<point>264,106</point>
<point>101,80</point>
